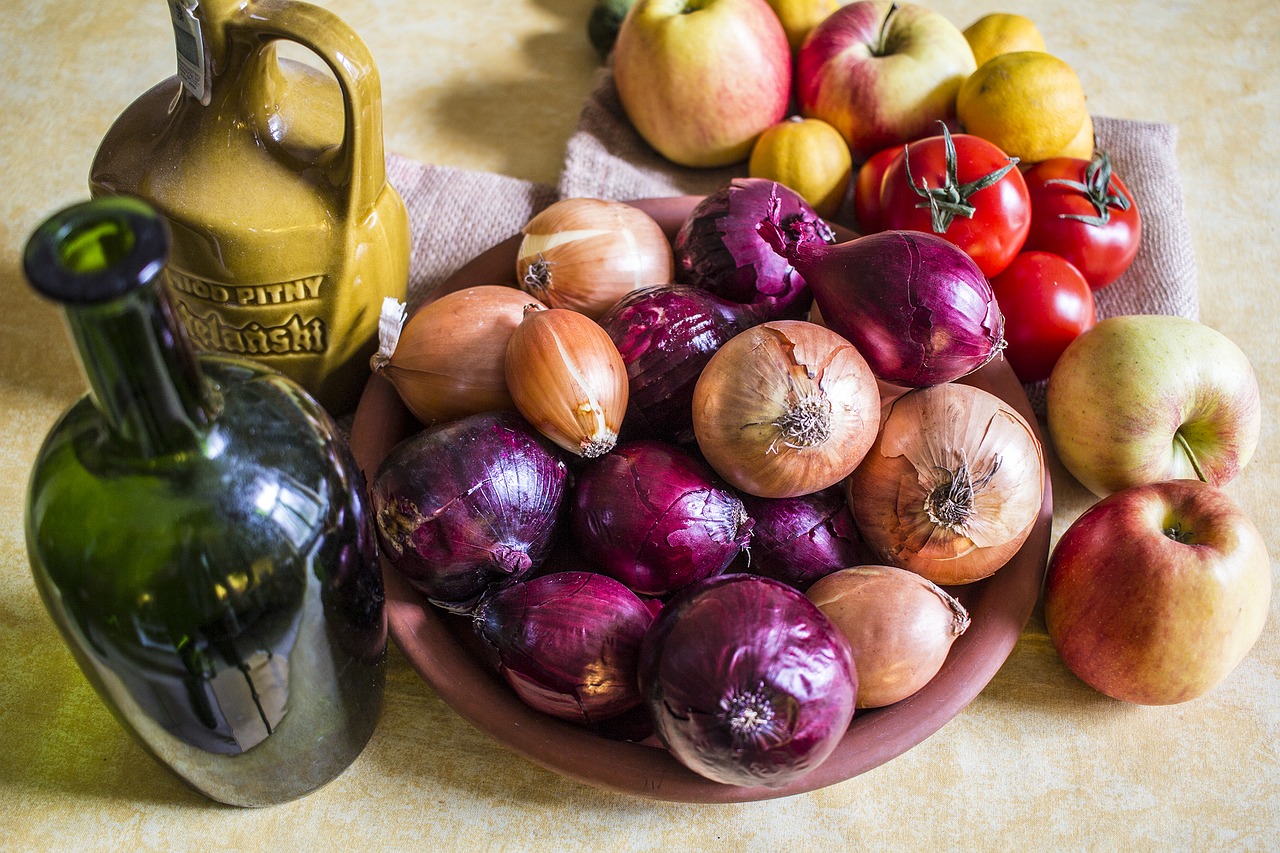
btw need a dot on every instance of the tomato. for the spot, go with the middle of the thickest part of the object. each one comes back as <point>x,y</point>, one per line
<point>1083,212</point>
<point>866,189</point>
<point>965,190</point>
<point>1046,304</point>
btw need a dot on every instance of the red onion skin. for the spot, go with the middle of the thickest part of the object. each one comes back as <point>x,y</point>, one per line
<point>567,643</point>
<point>469,506</point>
<point>799,540</point>
<point>747,681</point>
<point>917,308</point>
<point>666,335</point>
<point>718,246</point>
<point>655,518</point>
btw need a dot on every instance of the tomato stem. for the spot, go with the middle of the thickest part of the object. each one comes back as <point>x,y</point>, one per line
<point>1096,187</point>
<point>951,199</point>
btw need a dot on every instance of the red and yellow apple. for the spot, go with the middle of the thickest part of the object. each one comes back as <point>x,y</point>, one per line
<point>1143,398</point>
<point>700,80</point>
<point>1157,592</point>
<point>882,73</point>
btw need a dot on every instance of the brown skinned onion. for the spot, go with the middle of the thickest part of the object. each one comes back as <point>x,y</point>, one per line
<point>567,379</point>
<point>952,486</point>
<point>585,254</point>
<point>447,361</point>
<point>786,408</point>
<point>899,625</point>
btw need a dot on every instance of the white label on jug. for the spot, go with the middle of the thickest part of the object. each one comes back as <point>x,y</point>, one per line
<point>193,69</point>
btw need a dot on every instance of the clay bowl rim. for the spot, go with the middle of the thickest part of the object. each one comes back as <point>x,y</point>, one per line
<point>435,644</point>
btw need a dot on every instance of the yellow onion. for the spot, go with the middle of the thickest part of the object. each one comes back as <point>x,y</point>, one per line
<point>899,625</point>
<point>447,360</point>
<point>952,485</point>
<point>786,408</point>
<point>585,254</point>
<point>566,377</point>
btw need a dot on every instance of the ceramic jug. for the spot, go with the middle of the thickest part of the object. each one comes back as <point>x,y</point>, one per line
<point>286,234</point>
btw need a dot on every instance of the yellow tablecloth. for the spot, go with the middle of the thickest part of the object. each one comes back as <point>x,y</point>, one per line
<point>1038,761</point>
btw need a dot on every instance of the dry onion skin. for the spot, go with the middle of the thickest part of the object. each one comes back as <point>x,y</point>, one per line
<point>585,254</point>
<point>447,360</point>
<point>567,378</point>
<point>786,408</point>
<point>899,625</point>
<point>952,486</point>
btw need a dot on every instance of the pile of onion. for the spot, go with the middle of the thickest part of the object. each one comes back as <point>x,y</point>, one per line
<point>952,486</point>
<point>585,254</point>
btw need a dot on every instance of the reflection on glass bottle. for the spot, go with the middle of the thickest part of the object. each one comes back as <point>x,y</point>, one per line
<point>198,530</point>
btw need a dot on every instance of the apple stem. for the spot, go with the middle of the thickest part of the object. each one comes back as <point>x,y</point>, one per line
<point>1186,448</point>
<point>884,29</point>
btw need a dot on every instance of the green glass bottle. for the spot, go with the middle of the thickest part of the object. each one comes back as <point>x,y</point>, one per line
<point>198,530</point>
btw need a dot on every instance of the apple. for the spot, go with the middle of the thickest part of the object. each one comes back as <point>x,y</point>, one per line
<point>882,73</point>
<point>1143,398</point>
<point>1157,592</point>
<point>700,80</point>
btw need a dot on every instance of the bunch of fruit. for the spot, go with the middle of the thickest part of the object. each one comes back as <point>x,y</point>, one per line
<point>891,113</point>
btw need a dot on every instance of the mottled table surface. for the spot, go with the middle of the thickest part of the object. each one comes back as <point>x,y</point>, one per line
<point>1037,761</point>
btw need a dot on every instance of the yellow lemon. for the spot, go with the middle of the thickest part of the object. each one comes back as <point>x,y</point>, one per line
<point>809,156</point>
<point>1002,32</point>
<point>1081,147</point>
<point>1030,104</point>
<point>799,17</point>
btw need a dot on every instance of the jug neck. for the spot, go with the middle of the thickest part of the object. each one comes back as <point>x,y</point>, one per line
<point>103,261</point>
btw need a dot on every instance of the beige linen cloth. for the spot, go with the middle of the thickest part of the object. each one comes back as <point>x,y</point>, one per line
<point>456,214</point>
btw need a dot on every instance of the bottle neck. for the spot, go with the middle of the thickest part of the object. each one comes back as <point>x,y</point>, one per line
<point>103,261</point>
<point>144,377</point>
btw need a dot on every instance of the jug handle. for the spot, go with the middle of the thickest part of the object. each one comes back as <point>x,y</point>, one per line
<point>361,165</point>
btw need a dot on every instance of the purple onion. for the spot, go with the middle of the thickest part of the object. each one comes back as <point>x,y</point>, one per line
<point>917,308</point>
<point>469,506</point>
<point>747,681</point>
<point>567,643</point>
<point>655,518</point>
<point>719,246</point>
<point>666,335</point>
<point>798,540</point>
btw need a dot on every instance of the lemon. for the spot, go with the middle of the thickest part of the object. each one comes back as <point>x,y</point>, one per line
<point>1081,147</point>
<point>1002,32</point>
<point>1029,104</point>
<point>799,17</point>
<point>809,156</point>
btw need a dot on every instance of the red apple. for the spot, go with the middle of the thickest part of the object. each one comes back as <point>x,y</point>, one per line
<point>700,80</point>
<point>1157,592</point>
<point>882,73</point>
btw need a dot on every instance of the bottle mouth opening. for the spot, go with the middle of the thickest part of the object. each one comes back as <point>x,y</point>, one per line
<point>91,247</point>
<point>97,250</point>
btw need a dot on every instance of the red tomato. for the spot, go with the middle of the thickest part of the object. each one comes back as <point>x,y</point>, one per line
<point>1084,213</point>
<point>866,189</point>
<point>972,195</point>
<point>1046,304</point>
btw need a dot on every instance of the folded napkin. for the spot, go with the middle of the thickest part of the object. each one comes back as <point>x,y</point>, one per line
<point>456,214</point>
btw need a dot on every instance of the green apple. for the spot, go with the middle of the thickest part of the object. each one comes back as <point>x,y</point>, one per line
<point>1143,398</point>
<point>700,80</point>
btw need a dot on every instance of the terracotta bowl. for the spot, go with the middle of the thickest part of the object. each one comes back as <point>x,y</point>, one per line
<point>440,648</point>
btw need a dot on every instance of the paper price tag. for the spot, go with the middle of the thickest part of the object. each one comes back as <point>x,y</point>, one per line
<point>193,68</point>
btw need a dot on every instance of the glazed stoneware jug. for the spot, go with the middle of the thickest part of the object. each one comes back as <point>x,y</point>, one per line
<point>287,236</point>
